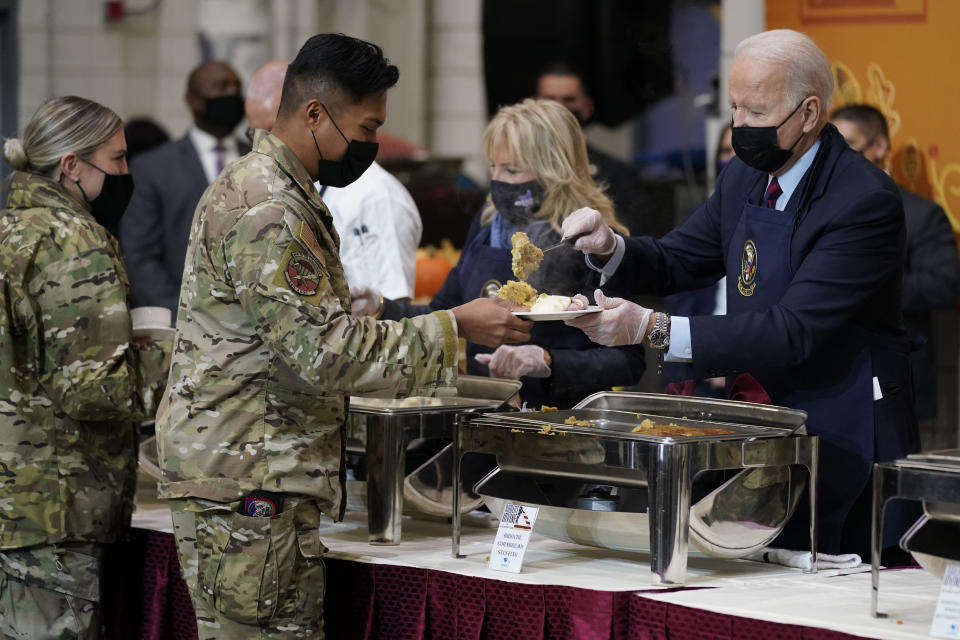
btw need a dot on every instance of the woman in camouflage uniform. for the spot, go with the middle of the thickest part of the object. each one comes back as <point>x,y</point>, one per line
<point>73,383</point>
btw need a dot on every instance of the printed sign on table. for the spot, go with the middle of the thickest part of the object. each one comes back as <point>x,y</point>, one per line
<point>516,525</point>
<point>946,620</point>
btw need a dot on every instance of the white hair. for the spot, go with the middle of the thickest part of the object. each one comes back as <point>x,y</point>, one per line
<point>808,70</point>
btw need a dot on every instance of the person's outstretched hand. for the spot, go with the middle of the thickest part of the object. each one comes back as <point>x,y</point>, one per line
<point>488,321</point>
<point>515,362</point>
<point>364,300</point>
<point>599,238</point>
<point>619,323</point>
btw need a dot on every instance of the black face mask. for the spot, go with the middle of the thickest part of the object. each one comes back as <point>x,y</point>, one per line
<point>115,194</point>
<point>223,112</point>
<point>356,159</point>
<point>516,202</point>
<point>758,147</point>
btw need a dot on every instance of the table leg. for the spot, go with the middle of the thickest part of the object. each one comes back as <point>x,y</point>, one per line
<point>456,518</point>
<point>669,500</point>
<point>813,474</point>
<point>385,471</point>
<point>876,537</point>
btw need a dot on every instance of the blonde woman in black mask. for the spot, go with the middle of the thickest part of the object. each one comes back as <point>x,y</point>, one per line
<point>540,173</point>
<point>73,382</point>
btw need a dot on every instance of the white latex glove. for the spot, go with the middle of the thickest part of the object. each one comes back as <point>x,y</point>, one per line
<point>364,300</point>
<point>801,559</point>
<point>578,302</point>
<point>515,362</point>
<point>600,238</point>
<point>620,322</point>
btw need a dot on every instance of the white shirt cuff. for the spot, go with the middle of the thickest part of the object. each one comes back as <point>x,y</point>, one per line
<point>607,270</point>
<point>680,349</point>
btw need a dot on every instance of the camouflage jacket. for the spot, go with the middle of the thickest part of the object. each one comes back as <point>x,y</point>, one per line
<point>72,384</point>
<point>267,352</point>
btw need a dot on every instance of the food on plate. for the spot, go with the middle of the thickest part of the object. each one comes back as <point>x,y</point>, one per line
<point>572,420</point>
<point>519,292</point>
<point>545,407</point>
<point>650,428</point>
<point>526,256</point>
<point>550,304</point>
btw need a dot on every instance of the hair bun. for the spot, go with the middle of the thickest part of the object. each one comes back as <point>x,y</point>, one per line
<point>14,154</point>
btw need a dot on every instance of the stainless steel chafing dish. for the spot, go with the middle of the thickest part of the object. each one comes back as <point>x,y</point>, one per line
<point>382,429</point>
<point>545,463</point>
<point>934,479</point>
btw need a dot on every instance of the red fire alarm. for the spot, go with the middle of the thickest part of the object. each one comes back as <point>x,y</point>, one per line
<point>114,10</point>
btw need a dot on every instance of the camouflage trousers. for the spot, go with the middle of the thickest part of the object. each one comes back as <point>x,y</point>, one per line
<point>252,578</point>
<point>51,592</point>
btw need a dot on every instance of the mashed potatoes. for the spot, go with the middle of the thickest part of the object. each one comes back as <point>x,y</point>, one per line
<point>550,304</point>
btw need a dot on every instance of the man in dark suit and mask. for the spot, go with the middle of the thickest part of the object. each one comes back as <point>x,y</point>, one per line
<point>811,239</point>
<point>169,182</point>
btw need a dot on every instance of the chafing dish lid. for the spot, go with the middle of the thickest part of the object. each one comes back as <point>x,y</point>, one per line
<point>947,460</point>
<point>473,392</point>
<point>609,423</point>
<point>695,408</point>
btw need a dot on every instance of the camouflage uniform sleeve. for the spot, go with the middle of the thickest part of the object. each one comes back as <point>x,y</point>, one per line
<point>89,367</point>
<point>307,321</point>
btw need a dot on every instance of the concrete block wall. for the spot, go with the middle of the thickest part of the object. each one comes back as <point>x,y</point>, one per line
<point>456,111</point>
<point>137,66</point>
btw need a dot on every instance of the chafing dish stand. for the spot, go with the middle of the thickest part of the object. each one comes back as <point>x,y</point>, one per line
<point>664,466</point>
<point>934,479</point>
<point>389,425</point>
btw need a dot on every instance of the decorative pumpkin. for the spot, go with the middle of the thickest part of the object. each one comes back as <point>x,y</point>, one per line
<point>432,270</point>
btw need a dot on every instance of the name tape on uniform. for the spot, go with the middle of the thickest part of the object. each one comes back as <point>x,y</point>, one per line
<point>513,535</point>
<point>946,620</point>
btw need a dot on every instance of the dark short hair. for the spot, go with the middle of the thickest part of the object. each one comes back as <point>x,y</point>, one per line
<point>335,67</point>
<point>869,120</point>
<point>560,68</point>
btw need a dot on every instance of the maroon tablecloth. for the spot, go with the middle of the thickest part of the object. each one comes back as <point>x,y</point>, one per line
<point>386,602</point>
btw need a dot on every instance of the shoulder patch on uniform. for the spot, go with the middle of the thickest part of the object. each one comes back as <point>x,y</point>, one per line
<point>302,272</point>
<point>309,240</point>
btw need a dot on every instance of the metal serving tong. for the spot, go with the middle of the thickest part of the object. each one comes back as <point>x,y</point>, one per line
<point>569,241</point>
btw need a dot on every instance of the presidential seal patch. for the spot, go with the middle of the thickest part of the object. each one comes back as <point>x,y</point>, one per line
<point>747,282</point>
<point>302,273</point>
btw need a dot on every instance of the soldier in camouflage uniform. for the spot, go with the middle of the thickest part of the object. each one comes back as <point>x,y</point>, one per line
<point>250,432</point>
<point>73,383</point>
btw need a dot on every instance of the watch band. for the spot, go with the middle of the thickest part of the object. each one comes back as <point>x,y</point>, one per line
<point>659,337</point>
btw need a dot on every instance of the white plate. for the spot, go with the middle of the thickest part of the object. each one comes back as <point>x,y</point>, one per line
<point>537,316</point>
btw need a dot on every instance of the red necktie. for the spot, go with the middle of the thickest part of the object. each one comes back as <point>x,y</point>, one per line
<point>773,192</point>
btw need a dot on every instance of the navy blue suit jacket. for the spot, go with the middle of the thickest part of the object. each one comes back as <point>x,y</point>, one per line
<point>929,282</point>
<point>846,257</point>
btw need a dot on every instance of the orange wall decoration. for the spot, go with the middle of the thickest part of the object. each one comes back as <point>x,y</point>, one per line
<point>903,57</point>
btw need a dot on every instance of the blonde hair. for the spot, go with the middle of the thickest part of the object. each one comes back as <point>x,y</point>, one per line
<point>808,70</point>
<point>62,125</point>
<point>543,137</point>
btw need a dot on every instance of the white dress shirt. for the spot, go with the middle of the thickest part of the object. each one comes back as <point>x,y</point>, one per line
<point>206,144</point>
<point>380,230</point>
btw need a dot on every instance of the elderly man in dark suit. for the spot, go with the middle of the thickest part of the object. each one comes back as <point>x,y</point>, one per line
<point>170,180</point>
<point>930,272</point>
<point>811,238</point>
